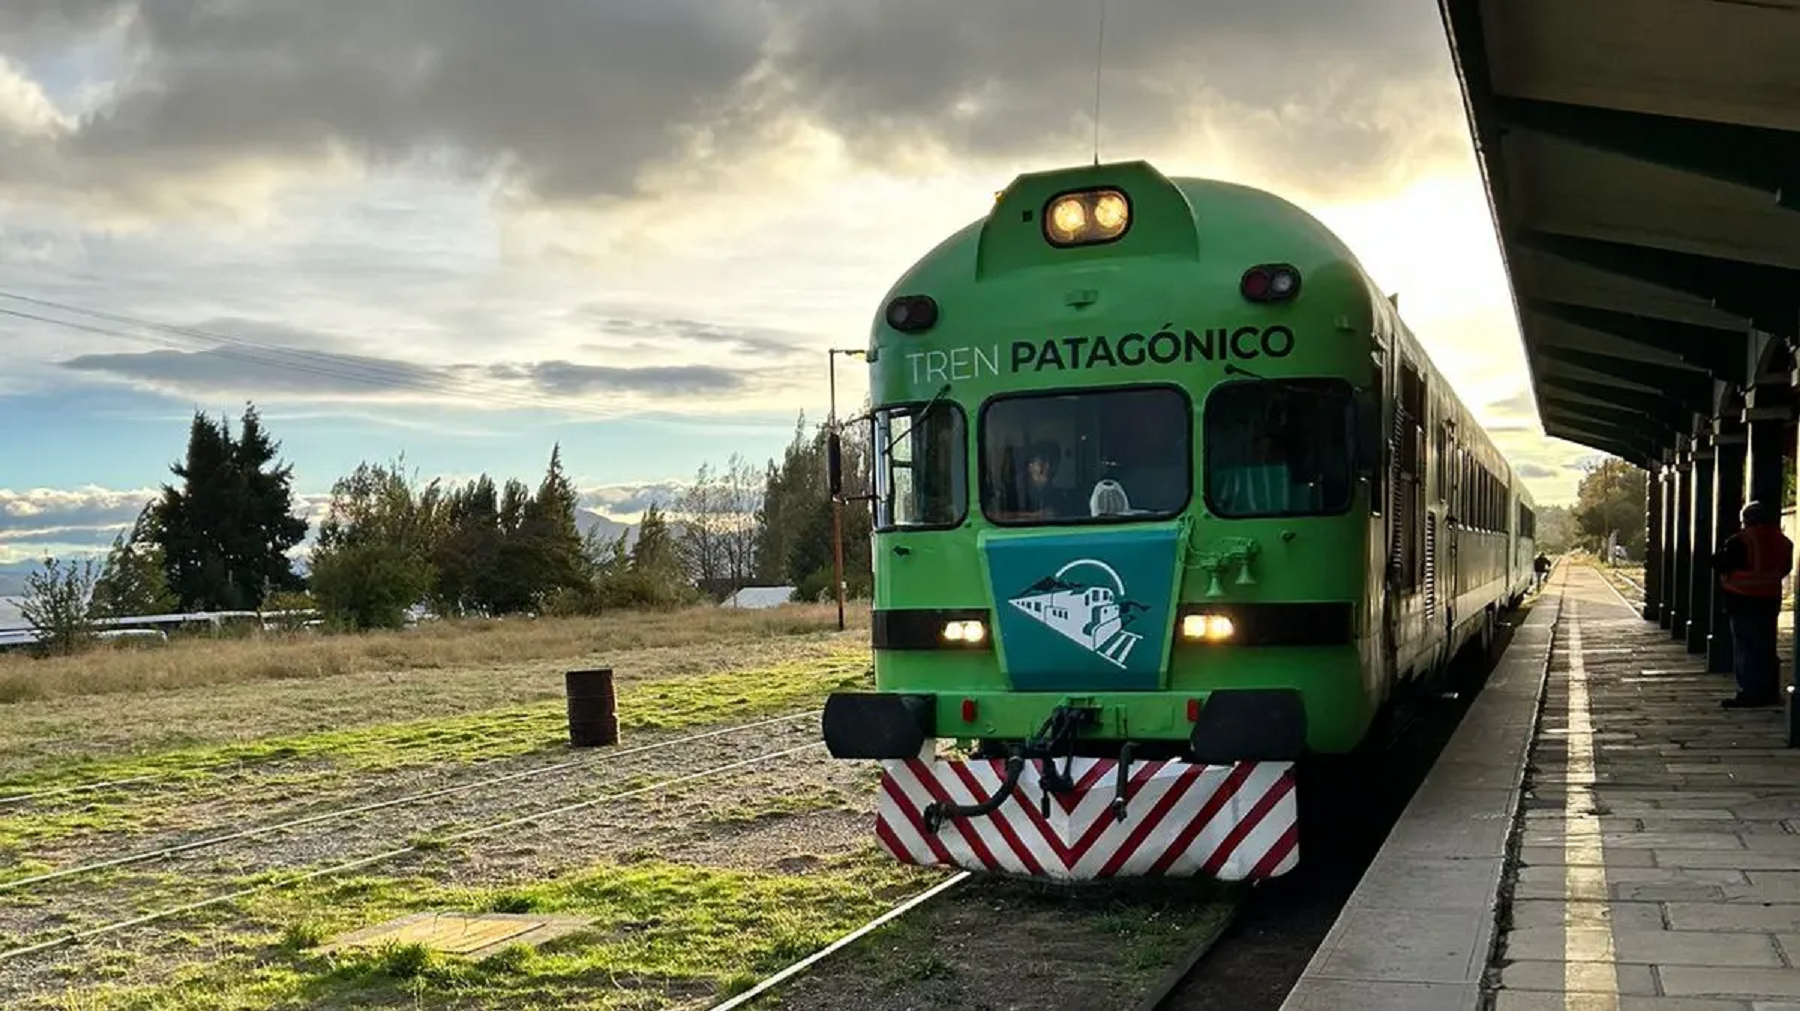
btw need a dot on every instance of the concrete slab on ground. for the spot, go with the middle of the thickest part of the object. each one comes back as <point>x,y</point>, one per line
<point>470,935</point>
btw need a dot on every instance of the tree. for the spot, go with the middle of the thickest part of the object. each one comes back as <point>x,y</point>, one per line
<point>794,544</point>
<point>651,573</point>
<point>741,494</point>
<point>57,605</point>
<point>548,536</point>
<point>226,531</point>
<point>373,558</point>
<point>703,528</point>
<point>1556,529</point>
<point>133,580</point>
<point>1611,498</point>
<point>468,554</point>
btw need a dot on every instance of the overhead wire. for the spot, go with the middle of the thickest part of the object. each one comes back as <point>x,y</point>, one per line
<point>283,358</point>
<point>356,369</point>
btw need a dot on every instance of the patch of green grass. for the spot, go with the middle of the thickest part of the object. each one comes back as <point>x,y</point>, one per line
<point>665,705</point>
<point>659,934</point>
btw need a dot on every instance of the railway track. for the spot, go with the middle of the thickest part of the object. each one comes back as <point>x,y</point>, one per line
<point>1155,998</point>
<point>486,830</point>
<point>31,924</point>
<point>219,837</point>
<point>59,791</point>
<point>365,861</point>
<point>1247,945</point>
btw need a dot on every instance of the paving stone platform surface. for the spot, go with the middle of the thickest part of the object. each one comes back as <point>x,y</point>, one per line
<point>1656,839</point>
<point>1658,861</point>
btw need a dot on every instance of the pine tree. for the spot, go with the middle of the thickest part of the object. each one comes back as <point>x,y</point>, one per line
<point>549,535</point>
<point>192,519</point>
<point>269,528</point>
<point>226,531</point>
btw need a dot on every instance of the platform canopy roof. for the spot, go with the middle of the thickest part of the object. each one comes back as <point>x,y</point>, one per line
<point>1642,158</point>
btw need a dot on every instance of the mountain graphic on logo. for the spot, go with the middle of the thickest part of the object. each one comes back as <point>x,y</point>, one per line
<point>1093,615</point>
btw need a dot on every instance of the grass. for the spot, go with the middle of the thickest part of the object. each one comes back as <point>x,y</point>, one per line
<point>669,704</point>
<point>81,732</point>
<point>197,662</point>
<point>660,935</point>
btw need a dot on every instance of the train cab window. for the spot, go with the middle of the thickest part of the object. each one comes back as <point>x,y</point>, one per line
<point>1280,448</point>
<point>921,466</point>
<point>1098,456</point>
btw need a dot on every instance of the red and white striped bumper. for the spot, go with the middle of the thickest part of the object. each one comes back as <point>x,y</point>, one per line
<point>1229,822</point>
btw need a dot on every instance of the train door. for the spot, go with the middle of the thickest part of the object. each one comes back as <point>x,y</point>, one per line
<point>1408,524</point>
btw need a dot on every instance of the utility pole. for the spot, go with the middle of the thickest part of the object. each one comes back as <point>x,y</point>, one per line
<point>837,491</point>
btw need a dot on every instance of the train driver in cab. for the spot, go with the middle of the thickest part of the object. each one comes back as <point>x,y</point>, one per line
<point>1037,496</point>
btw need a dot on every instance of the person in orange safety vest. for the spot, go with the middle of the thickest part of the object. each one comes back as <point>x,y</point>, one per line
<point>1751,565</point>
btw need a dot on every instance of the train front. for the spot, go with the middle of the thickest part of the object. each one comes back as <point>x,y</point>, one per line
<point>1039,380</point>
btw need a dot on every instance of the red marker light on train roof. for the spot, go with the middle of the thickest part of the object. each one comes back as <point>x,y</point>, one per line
<point>1270,282</point>
<point>912,313</point>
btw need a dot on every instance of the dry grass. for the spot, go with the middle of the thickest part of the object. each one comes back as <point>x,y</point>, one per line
<point>187,663</point>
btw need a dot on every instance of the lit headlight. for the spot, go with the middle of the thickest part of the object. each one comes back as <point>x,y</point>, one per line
<point>1077,219</point>
<point>965,631</point>
<point>1206,627</point>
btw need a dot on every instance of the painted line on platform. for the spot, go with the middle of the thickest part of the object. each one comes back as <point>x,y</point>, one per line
<point>1590,977</point>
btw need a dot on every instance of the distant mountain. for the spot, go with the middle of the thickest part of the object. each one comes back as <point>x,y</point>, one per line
<point>607,528</point>
<point>12,574</point>
<point>12,577</point>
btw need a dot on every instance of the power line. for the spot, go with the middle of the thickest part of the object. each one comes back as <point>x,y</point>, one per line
<point>369,372</point>
<point>275,356</point>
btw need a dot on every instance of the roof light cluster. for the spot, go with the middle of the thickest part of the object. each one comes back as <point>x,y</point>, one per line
<point>1087,218</point>
<point>1270,282</point>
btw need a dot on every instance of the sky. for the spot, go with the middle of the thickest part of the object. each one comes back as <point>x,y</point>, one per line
<point>463,231</point>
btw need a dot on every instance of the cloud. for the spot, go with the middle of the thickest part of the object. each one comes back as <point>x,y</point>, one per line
<point>283,373</point>
<point>557,100</point>
<point>566,379</point>
<point>256,370</point>
<point>557,103</point>
<point>83,515</point>
<point>654,333</point>
<point>1322,91</point>
<point>621,501</point>
<point>1535,470</point>
<point>1519,405</point>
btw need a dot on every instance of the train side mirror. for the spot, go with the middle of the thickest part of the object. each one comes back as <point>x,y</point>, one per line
<point>834,465</point>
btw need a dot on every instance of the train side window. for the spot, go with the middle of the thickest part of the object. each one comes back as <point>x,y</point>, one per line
<point>921,466</point>
<point>1280,448</point>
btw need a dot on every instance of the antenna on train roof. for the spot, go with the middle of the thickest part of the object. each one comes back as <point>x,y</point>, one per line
<point>1099,54</point>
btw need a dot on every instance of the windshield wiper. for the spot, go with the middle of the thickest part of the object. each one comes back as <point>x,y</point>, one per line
<point>921,416</point>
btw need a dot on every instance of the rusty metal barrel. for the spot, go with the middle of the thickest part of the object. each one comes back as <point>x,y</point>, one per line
<point>593,708</point>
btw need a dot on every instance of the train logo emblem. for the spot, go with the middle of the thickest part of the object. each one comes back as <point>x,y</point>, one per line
<point>1092,614</point>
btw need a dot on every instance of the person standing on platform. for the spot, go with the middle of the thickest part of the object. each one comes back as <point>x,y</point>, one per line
<point>1542,567</point>
<point>1751,565</point>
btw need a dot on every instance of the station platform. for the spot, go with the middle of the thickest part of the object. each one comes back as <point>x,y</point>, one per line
<point>1598,834</point>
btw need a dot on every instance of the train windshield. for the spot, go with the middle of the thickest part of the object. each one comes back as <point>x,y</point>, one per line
<point>1098,456</point>
<point>921,469</point>
<point>1280,448</point>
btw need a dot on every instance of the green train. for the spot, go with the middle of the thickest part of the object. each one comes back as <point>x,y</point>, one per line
<point>1167,498</point>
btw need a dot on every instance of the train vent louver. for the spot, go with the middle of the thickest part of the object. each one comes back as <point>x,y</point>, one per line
<point>1430,567</point>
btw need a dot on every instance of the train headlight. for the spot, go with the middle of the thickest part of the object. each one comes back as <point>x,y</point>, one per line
<point>1087,217</point>
<point>970,632</point>
<point>1207,627</point>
